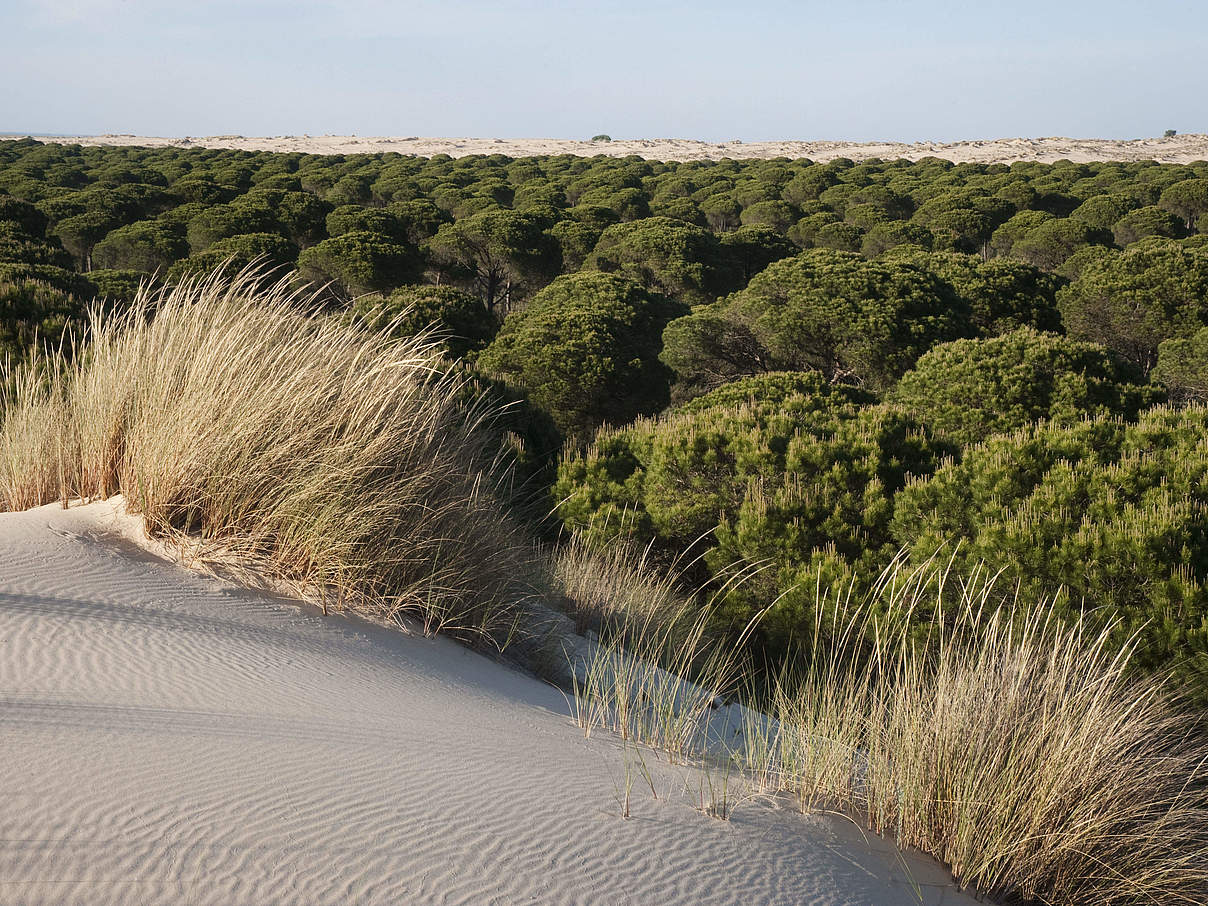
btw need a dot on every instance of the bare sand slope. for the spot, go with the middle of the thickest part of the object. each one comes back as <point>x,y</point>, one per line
<point>167,738</point>
<point>1178,149</point>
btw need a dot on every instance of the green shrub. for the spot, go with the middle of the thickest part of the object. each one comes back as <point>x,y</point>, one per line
<point>268,251</point>
<point>664,255</point>
<point>969,389</point>
<point>783,476</point>
<point>1132,301</point>
<point>854,320</point>
<point>359,262</point>
<point>1112,512</point>
<point>1183,367</point>
<point>586,350</point>
<point>145,246</point>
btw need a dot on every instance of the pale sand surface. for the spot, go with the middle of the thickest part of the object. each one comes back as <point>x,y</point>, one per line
<point>1179,149</point>
<point>169,738</point>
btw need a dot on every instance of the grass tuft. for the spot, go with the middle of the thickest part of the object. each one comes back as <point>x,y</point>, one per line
<point>241,419</point>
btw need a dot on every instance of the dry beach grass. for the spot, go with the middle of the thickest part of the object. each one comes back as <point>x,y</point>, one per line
<point>1014,747</point>
<point>244,420</point>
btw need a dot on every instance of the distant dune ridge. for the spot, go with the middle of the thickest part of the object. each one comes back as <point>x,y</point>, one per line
<point>1177,149</point>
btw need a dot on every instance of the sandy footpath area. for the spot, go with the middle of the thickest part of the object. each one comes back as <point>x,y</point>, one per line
<point>1179,149</point>
<point>168,738</point>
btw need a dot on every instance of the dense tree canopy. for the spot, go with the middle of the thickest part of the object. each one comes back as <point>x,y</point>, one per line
<point>586,349</point>
<point>783,471</point>
<point>144,246</point>
<point>459,320</point>
<point>503,255</point>
<point>835,312</point>
<point>359,262</point>
<point>1183,367</point>
<point>969,389</point>
<point>1109,511</point>
<point>1132,301</point>
<point>665,255</point>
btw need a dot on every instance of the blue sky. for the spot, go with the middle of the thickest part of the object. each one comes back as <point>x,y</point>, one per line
<point>761,69</point>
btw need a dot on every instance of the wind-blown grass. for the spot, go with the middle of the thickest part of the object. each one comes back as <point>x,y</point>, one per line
<point>242,419</point>
<point>1014,747</point>
<point>612,585</point>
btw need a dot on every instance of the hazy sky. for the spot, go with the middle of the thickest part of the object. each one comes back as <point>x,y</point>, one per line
<point>747,69</point>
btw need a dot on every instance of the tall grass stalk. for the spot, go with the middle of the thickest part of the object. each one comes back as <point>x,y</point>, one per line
<point>239,418</point>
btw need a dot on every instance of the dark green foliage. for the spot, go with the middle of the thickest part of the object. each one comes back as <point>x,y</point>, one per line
<point>805,231</point>
<point>1004,239</point>
<point>202,189</point>
<point>420,218</point>
<point>503,255</point>
<point>721,212</point>
<point>25,250</point>
<point>586,350</point>
<point>347,218</point>
<point>751,249</point>
<point>664,255</point>
<point>146,246</point>
<point>780,471</point>
<point>268,251</point>
<point>772,215</point>
<point>461,322</point>
<point>1101,212</point>
<point>851,319</point>
<point>882,237</point>
<point>225,221</point>
<point>1112,512</point>
<point>1132,301</point>
<point>117,285</point>
<point>1187,199</point>
<point>80,233</point>
<point>298,216</point>
<point>29,218</point>
<point>33,312</point>
<point>1052,242</point>
<point>357,263</point>
<point>59,278</point>
<point>1183,367</point>
<point>628,203</point>
<point>1145,222</point>
<point>576,242</point>
<point>967,390</point>
<point>1002,294</point>
<point>839,236</point>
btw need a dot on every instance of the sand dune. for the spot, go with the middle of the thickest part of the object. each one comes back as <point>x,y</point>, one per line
<point>1179,149</point>
<point>168,738</point>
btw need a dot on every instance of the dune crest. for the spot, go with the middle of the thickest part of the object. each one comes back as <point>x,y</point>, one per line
<point>1177,149</point>
<point>167,737</point>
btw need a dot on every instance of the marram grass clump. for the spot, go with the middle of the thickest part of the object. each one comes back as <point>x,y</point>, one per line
<point>1017,748</point>
<point>1013,745</point>
<point>241,419</point>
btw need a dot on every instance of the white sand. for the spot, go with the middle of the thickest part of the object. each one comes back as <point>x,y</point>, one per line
<point>1179,149</point>
<point>167,738</point>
